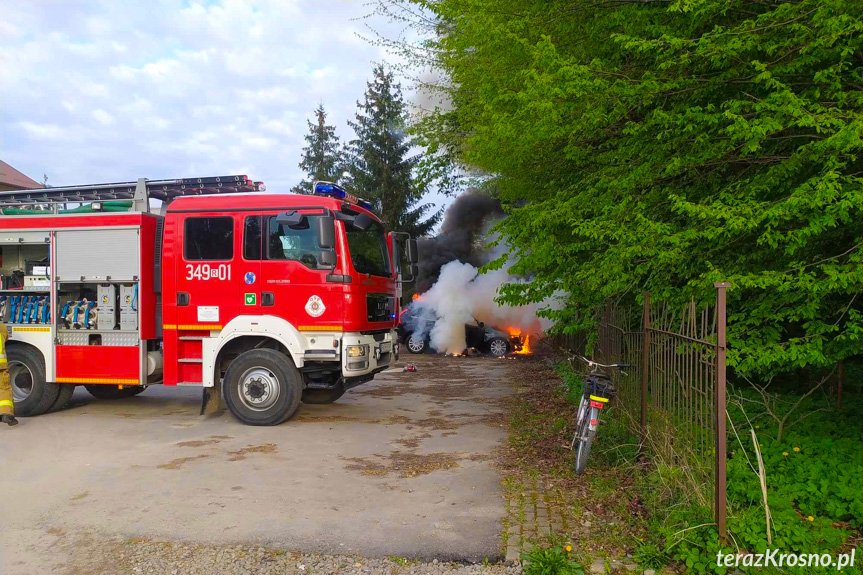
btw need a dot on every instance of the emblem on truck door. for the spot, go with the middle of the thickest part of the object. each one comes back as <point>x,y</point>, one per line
<point>315,306</point>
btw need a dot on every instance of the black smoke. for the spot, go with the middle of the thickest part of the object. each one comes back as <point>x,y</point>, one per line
<point>462,236</point>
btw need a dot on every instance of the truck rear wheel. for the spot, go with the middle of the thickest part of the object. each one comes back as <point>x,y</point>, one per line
<point>66,391</point>
<point>322,396</point>
<point>31,393</point>
<point>113,391</point>
<point>262,387</point>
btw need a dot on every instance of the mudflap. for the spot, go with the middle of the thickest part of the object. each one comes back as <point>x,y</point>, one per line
<point>210,399</point>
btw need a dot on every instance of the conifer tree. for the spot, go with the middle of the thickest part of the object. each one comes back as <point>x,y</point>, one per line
<point>381,166</point>
<point>322,158</point>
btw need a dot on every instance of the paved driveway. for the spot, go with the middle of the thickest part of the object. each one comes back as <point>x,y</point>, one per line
<point>400,466</point>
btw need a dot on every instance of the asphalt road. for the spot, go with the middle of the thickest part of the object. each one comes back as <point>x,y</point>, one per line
<point>400,466</point>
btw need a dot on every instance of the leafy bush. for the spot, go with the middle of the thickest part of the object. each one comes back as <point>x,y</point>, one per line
<point>814,479</point>
<point>551,561</point>
<point>817,469</point>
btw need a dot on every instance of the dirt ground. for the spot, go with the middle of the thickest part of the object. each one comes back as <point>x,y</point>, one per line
<point>401,466</point>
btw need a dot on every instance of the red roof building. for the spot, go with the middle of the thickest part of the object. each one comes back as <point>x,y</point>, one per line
<point>12,179</point>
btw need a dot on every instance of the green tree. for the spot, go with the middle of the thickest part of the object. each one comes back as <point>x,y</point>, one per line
<point>322,158</point>
<point>664,145</point>
<point>382,169</point>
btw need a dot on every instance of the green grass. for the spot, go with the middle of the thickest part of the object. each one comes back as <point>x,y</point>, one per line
<point>550,561</point>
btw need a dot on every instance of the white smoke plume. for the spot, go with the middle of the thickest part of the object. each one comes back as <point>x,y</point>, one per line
<point>462,296</point>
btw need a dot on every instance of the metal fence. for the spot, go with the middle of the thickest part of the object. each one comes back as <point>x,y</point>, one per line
<point>674,393</point>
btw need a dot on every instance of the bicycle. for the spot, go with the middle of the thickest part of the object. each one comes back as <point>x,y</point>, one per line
<point>598,393</point>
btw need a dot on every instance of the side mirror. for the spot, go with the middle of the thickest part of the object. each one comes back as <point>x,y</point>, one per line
<point>413,253</point>
<point>290,219</point>
<point>325,231</point>
<point>362,221</point>
<point>412,256</point>
<point>327,259</point>
<point>397,252</point>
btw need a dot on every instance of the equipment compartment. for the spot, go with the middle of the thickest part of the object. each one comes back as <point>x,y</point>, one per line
<point>24,298</point>
<point>96,314</point>
<point>98,255</point>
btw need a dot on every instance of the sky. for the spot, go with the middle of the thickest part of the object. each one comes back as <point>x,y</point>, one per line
<point>112,91</point>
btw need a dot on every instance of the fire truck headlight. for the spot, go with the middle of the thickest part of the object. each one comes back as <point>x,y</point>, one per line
<point>358,357</point>
<point>357,350</point>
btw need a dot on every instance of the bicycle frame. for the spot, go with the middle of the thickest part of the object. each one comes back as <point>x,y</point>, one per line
<point>598,393</point>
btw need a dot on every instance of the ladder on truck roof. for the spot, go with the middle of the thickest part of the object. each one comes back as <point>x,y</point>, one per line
<point>138,193</point>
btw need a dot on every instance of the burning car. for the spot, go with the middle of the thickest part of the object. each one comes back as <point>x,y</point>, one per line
<point>413,330</point>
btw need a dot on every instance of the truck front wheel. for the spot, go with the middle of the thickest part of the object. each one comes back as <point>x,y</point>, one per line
<point>262,387</point>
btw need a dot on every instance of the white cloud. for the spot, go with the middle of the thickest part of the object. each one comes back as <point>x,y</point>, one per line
<point>96,90</point>
<point>103,117</point>
<point>42,131</point>
<point>123,73</point>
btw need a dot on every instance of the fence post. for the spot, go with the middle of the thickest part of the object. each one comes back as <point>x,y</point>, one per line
<point>645,373</point>
<point>720,456</point>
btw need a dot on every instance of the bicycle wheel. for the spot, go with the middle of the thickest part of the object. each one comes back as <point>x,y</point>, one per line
<point>583,408</point>
<point>586,435</point>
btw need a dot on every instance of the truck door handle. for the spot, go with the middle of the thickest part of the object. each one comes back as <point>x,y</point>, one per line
<point>268,298</point>
<point>182,298</point>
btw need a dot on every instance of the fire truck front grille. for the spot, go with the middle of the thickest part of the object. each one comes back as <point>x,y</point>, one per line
<point>380,307</point>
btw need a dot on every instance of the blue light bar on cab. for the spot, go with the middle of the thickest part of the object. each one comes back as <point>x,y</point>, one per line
<point>331,189</point>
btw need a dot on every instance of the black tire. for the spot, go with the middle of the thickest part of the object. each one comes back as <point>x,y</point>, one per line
<point>113,391</point>
<point>263,376</point>
<point>584,445</point>
<point>416,344</point>
<point>498,347</point>
<point>322,396</point>
<point>66,391</point>
<point>27,374</point>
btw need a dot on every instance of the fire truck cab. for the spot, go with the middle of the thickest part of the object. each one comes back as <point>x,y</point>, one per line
<point>265,299</point>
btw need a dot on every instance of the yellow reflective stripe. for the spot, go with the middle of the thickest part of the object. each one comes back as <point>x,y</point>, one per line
<point>17,329</point>
<point>96,380</point>
<point>320,328</point>
<point>599,399</point>
<point>203,327</point>
<point>5,402</point>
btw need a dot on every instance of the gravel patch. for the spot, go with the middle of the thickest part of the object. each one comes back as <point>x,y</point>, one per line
<point>95,555</point>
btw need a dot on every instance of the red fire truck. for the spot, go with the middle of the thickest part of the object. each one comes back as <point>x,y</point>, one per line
<point>263,299</point>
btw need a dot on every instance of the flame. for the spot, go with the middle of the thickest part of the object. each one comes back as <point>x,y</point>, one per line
<point>415,297</point>
<point>525,344</point>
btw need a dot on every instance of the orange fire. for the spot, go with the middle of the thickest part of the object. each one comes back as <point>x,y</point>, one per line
<point>416,296</point>
<point>525,344</point>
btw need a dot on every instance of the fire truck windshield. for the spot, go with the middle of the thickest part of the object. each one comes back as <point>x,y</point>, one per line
<point>295,243</point>
<point>369,252</point>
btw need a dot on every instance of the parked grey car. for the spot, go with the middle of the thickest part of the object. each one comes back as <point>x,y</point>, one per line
<point>479,336</point>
